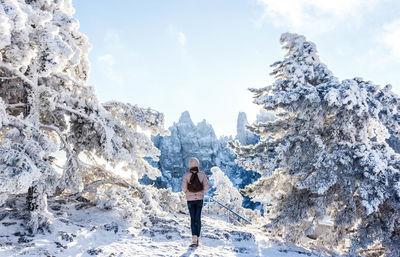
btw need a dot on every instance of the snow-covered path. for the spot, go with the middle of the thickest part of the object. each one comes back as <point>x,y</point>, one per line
<point>91,231</point>
<point>218,238</point>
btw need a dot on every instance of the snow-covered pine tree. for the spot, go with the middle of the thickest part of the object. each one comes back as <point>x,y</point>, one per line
<point>48,113</point>
<point>327,155</point>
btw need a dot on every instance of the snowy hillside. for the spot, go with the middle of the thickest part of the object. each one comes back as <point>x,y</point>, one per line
<point>81,229</point>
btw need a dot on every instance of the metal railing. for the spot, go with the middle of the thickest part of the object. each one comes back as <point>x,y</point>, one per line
<point>228,211</point>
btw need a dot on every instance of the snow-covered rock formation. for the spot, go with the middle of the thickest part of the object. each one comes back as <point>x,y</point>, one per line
<point>244,136</point>
<point>394,142</point>
<point>187,139</point>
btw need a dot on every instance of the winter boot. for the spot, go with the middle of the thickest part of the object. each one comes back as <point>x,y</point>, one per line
<point>194,241</point>
<point>198,240</point>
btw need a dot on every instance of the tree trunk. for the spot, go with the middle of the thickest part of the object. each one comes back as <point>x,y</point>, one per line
<point>36,201</point>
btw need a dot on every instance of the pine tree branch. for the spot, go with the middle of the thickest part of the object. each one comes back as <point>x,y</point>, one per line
<point>19,75</point>
<point>92,186</point>
<point>107,173</point>
<point>67,77</point>
<point>16,105</point>
<point>8,78</point>
<point>75,112</point>
<point>61,136</point>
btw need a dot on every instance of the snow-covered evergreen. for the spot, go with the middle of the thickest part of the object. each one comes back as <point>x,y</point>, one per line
<point>49,116</point>
<point>326,155</point>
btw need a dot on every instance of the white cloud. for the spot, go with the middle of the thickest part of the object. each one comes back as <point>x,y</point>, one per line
<point>179,35</point>
<point>112,37</point>
<point>108,58</point>
<point>391,37</point>
<point>314,15</point>
<point>181,38</point>
<point>108,61</point>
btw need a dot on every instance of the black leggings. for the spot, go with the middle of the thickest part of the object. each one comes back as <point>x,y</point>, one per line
<point>195,216</point>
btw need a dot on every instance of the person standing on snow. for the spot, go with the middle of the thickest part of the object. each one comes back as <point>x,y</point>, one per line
<point>194,184</point>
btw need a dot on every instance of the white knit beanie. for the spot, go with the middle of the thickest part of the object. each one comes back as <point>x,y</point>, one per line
<point>193,162</point>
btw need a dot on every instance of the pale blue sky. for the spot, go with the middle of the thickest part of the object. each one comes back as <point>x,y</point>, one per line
<point>201,56</point>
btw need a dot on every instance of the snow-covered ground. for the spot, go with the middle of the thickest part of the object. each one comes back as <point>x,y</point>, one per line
<point>81,229</point>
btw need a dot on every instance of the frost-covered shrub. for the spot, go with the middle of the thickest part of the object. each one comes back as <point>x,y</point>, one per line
<point>171,202</point>
<point>224,191</point>
<point>136,204</point>
<point>227,194</point>
<point>163,200</point>
<point>326,155</point>
<point>254,216</point>
<point>123,201</point>
<point>48,111</point>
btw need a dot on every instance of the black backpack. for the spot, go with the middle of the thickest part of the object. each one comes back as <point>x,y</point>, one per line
<point>194,183</point>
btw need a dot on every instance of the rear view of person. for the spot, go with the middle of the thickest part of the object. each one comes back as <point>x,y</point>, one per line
<point>194,184</point>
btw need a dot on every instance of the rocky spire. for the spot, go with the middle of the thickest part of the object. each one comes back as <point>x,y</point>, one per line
<point>243,135</point>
